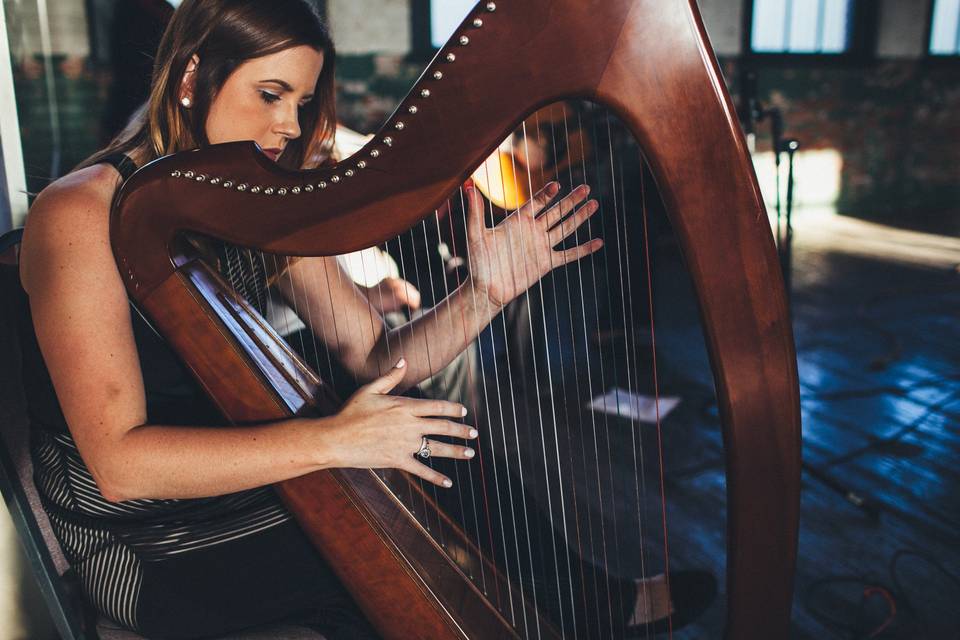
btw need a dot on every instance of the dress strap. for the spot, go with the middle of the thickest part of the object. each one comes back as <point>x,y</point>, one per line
<point>122,163</point>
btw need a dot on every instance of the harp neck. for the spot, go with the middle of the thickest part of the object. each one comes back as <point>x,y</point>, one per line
<point>521,56</point>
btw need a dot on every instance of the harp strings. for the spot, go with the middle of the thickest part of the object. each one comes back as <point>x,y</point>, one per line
<point>549,366</point>
<point>278,309</point>
<point>489,432</point>
<point>538,389</point>
<point>315,324</point>
<point>631,356</point>
<point>390,353</point>
<point>656,390</point>
<point>426,349</point>
<point>563,382</point>
<point>521,566</point>
<point>409,485</point>
<point>437,372</point>
<point>469,400</point>
<point>412,345</point>
<point>579,385</point>
<point>584,527</point>
<point>601,216</point>
<point>579,268</point>
<point>591,373</point>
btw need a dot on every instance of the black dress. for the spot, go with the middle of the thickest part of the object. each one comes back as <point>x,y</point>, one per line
<point>176,568</point>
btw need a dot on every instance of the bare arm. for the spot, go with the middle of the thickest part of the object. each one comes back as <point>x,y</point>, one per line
<point>505,261</point>
<point>82,320</point>
<point>340,315</point>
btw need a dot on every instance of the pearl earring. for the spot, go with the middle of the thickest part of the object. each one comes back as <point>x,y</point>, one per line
<point>185,101</point>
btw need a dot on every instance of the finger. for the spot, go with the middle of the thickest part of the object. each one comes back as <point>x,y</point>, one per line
<point>447,428</point>
<point>440,408</point>
<point>399,284</point>
<point>405,292</point>
<point>385,383</point>
<point>541,199</point>
<point>475,210</point>
<point>567,204</point>
<point>411,296</point>
<point>443,450</point>
<point>580,251</point>
<point>428,474</point>
<point>571,224</point>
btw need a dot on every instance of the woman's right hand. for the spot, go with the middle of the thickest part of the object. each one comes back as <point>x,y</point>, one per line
<point>376,430</point>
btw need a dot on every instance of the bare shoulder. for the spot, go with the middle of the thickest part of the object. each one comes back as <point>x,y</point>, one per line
<point>82,193</point>
<point>70,215</point>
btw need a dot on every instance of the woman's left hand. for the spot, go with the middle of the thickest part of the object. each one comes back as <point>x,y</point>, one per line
<point>392,294</point>
<point>508,259</point>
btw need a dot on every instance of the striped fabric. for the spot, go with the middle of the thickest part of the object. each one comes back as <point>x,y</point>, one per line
<point>108,544</point>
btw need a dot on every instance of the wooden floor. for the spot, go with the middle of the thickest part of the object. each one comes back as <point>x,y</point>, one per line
<point>879,361</point>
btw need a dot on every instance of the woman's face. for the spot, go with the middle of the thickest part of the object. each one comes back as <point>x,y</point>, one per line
<point>261,99</point>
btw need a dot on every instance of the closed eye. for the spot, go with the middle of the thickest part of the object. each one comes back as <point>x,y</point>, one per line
<point>268,97</point>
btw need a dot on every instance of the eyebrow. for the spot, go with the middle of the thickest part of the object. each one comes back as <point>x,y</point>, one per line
<point>286,86</point>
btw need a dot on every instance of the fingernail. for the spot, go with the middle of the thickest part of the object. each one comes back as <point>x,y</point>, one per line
<point>447,482</point>
<point>473,433</point>
<point>469,452</point>
<point>463,411</point>
<point>401,363</point>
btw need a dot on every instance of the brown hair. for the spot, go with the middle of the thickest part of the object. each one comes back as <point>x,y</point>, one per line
<point>224,34</point>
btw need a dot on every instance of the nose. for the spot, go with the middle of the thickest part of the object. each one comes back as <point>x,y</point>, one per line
<point>288,123</point>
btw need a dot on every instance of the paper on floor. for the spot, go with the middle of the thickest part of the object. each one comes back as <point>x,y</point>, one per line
<point>620,402</point>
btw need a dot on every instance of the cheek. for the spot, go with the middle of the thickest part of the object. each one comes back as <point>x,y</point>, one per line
<point>231,119</point>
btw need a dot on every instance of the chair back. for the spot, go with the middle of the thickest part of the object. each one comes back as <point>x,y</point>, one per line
<point>16,470</point>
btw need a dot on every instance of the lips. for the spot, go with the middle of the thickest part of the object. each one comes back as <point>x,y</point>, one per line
<point>273,154</point>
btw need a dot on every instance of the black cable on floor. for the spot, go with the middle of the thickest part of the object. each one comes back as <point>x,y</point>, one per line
<point>900,608</point>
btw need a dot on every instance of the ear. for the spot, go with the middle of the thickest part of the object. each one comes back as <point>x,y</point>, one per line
<point>188,81</point>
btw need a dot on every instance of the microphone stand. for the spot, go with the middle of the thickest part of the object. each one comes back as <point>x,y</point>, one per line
<point>753,112</point>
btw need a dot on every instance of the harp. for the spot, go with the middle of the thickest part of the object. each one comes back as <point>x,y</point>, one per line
<point>649,63</point>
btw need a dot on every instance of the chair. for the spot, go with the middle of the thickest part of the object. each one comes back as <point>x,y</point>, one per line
<point>16,471</point>
<point>20,495</point>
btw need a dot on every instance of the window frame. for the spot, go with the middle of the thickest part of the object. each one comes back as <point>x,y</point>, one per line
<point>421,45</point>
<point>863,41</point>
<point>421,38</point>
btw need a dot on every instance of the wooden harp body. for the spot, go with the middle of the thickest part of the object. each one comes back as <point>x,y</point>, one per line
<point>649,62</point>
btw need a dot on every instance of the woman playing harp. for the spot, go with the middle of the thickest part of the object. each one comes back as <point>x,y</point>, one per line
<point>169,524</point>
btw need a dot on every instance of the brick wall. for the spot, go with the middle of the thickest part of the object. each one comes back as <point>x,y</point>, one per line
<point>896,125</point>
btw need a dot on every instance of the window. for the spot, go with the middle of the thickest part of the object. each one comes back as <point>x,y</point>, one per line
<point>433,22</point>
<point>802,26</point>
<point>945,28</point>
<point>445,15</point>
